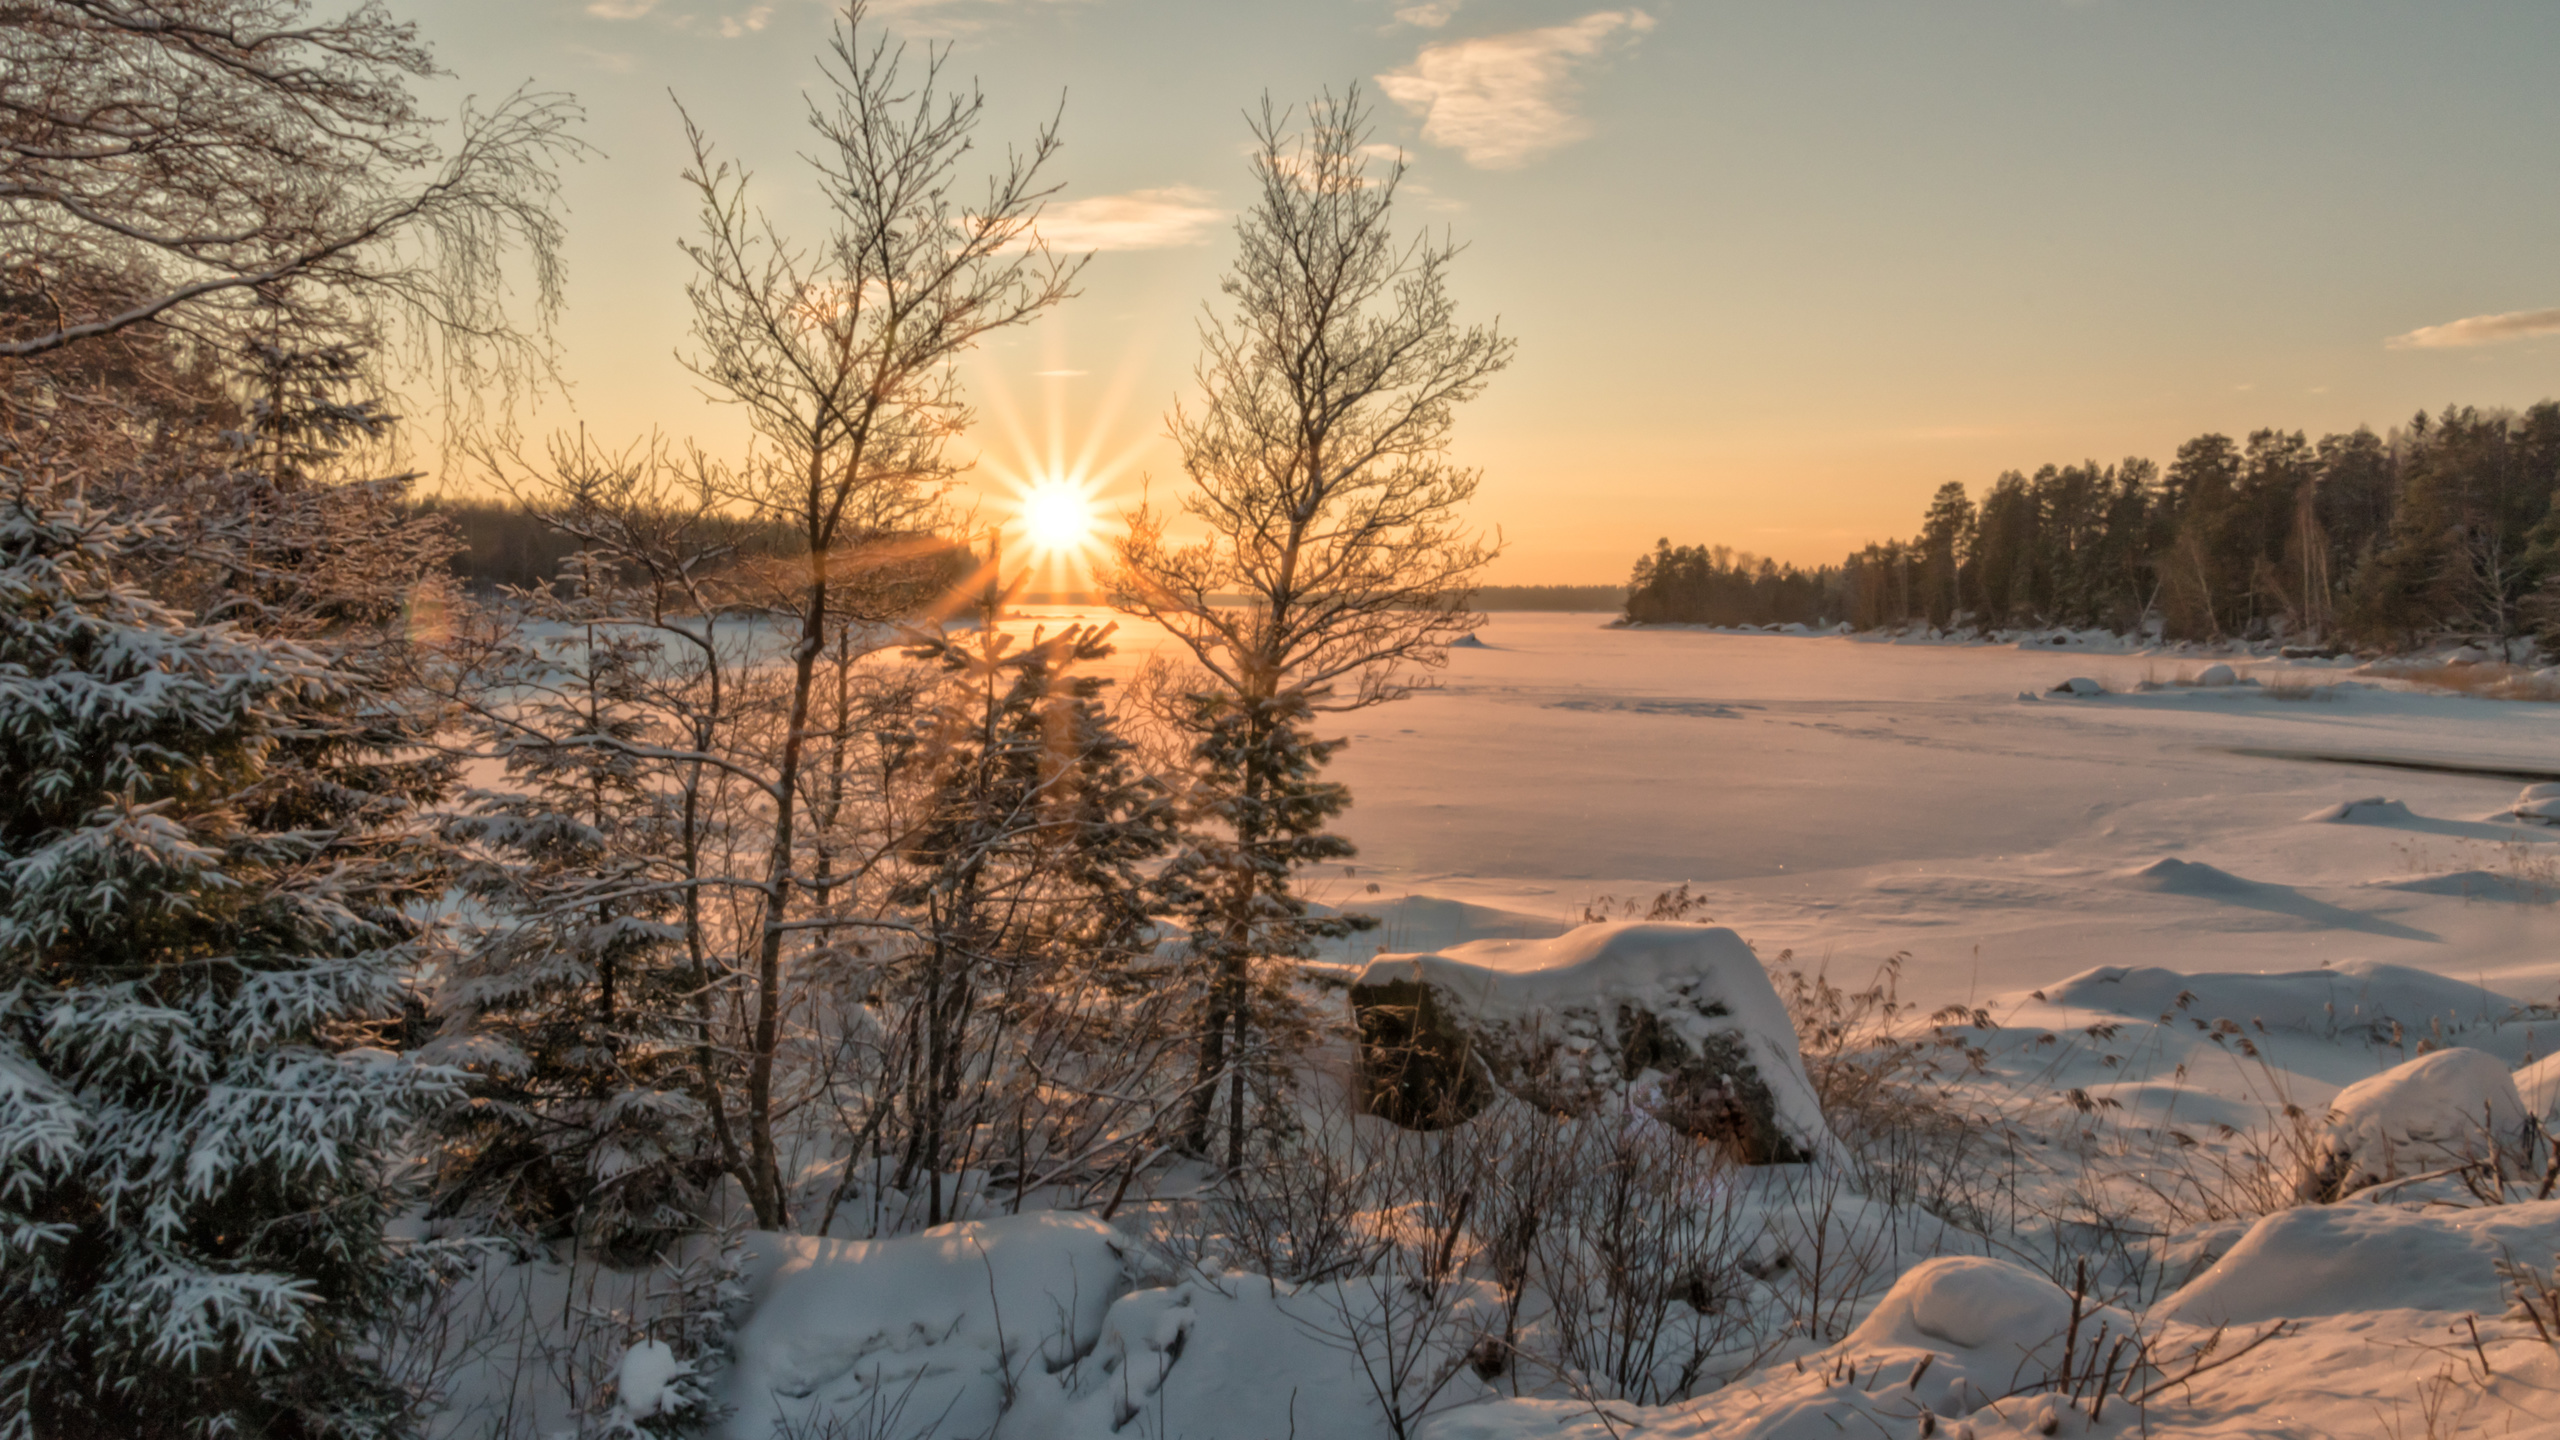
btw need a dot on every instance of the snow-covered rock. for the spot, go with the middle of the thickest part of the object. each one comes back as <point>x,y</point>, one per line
<point>1679,1020</point>
<point>2539,804</point>
<point>2081,686</point>
<point>2441,1109</point>
<point>939,1324</point>
<point>2217,674</point>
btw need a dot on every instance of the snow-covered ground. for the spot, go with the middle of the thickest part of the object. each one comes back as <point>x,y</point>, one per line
<point>1849,798</point>
<point>2186,953</point>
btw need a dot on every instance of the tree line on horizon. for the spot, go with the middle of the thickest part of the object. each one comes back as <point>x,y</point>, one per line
<point>2443,527</point>
<point>503,544</point>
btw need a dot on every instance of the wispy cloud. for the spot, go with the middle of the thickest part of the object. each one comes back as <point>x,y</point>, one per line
<point>951,17</point>
<point>1430,14</point>
<point>1139,220</point>
<point>756,18</point>
<point>1504,100</point>
<point>620,9</point>
<point>2480,330</point>
<point>615,62</point>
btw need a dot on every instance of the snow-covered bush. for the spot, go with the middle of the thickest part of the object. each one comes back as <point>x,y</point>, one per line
<point>197,944</point>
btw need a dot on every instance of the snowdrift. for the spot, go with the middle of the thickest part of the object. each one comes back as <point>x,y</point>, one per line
<point>2351,1259</point>
<point>886,1336</point>
<point>2357,995</point>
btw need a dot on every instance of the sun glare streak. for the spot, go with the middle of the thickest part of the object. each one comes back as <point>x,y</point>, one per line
<point>1062,467</point>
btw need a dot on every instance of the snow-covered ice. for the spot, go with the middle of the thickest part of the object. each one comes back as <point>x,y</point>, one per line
<point>1850,799</point>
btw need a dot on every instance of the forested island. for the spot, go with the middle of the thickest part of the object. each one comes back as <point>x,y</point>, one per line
<point>2444,526</point>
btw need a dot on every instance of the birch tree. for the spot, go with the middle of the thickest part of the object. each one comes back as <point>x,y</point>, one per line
<point>1322,492</point>
<point>841,352</point>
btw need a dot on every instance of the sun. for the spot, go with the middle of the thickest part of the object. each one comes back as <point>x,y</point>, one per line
<point>1057,517</point>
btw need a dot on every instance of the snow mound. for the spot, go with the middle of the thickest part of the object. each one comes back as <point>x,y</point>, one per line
<point>2354,1259</point>
<point>2081,686</point>
<point>2217,674</point>
<point>2474,885</point>
<point>1680,1019</point>
<point>647,1376</point>
<point>1969,1302</point>
<point>1955,1339</point>
<point>2371,810</point>
<point>2440,1109</point>
<point>2359,993</point>
<point>937,1324</point>
<point>2539,804</point>
<point>1432,922</point>
<point>2197,880</point>
<point>2538,1085</point>
<point>1245,1358</point>
<point>1989,1326</point>
<point>2173,876</point>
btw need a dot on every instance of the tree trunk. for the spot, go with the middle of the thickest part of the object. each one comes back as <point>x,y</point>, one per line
<point>764,1183</point>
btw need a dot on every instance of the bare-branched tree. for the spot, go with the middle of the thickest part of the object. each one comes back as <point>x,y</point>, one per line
<point>842,354</point>
<point>1319,467</point>
<point>234,170</point>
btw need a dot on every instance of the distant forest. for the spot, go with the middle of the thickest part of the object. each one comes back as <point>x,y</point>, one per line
<point>1550,597</point>
<point>505,545</point>
<point>2445,526</point>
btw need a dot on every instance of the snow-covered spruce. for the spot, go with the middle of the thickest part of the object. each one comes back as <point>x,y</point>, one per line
<point>194,1134</point>
<point>571,1005</point>
<point>1681,1018</point>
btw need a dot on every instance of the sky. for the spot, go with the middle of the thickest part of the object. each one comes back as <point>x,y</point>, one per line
<point>1777,271</point>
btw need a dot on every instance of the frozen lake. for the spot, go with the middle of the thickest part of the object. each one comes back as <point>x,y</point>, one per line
<point>1850,799</point>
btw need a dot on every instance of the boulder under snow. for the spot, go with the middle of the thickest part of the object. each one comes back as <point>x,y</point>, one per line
<point>1680,1020</point>
<point>2442,1109</point>
<point>2539,804</point>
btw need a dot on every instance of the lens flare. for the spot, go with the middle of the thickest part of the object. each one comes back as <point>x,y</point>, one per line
<point>1057,517</point>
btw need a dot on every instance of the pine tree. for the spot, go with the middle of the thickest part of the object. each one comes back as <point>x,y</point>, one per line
<point>198,1138</point>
